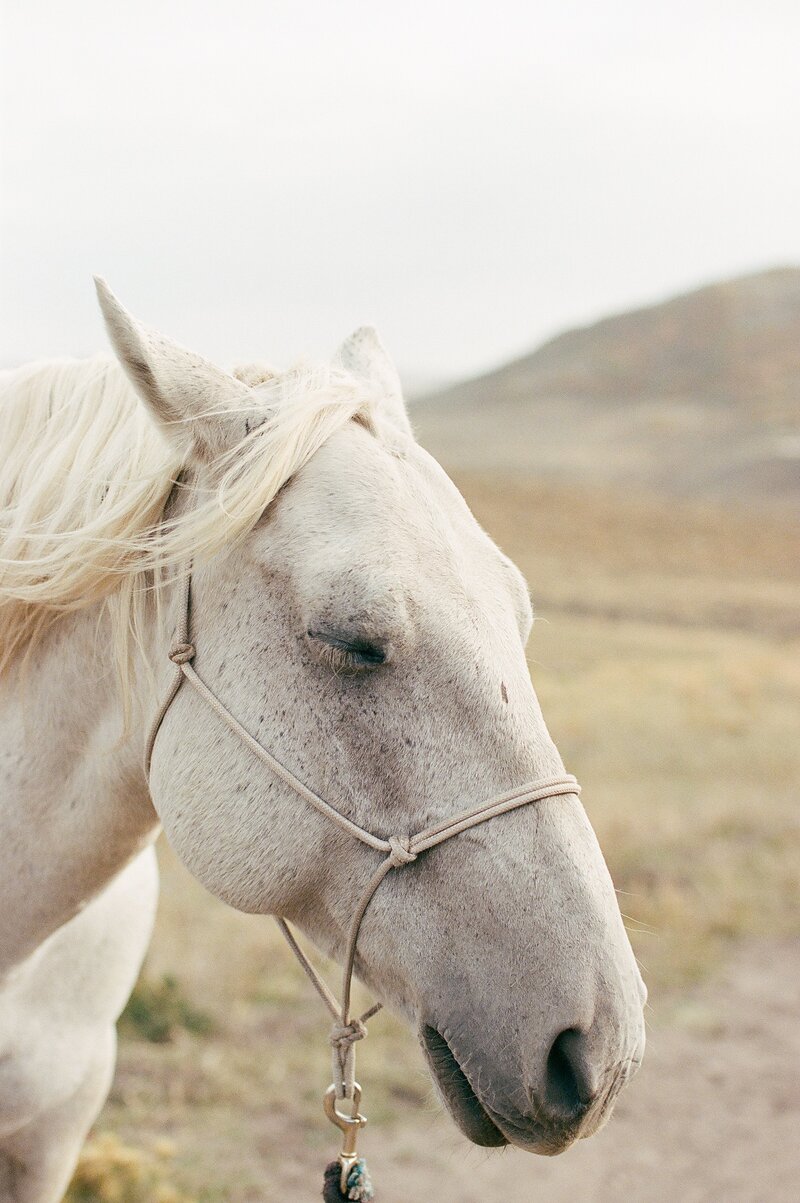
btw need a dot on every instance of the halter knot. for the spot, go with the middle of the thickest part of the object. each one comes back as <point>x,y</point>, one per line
<point>182,653</point>
<point>343,1056</point>
<point>344,1035</point>
<point>401,853</point>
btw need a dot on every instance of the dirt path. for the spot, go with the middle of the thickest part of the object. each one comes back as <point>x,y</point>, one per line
<point>714,1115</point>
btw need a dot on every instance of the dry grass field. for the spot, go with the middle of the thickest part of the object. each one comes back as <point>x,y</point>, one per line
<point>667,659</point>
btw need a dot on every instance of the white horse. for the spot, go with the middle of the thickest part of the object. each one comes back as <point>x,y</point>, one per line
<point>355,618</point>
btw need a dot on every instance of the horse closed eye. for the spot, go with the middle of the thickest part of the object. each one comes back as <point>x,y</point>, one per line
<point>346,656</point>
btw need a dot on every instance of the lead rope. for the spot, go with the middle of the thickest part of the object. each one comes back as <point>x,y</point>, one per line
<point>347,1177</point>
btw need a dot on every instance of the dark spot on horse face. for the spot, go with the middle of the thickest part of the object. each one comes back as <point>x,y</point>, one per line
<point>503,691</point>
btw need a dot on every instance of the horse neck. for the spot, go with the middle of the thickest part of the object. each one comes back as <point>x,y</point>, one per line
<point>74,803</point>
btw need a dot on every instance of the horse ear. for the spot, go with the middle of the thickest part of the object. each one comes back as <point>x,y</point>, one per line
<point>199,408</point>
<point>364,355</point>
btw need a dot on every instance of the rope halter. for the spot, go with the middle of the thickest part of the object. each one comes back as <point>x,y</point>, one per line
<point>398,852</point>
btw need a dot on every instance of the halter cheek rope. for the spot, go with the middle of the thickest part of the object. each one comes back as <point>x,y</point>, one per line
<point>348,1175</point>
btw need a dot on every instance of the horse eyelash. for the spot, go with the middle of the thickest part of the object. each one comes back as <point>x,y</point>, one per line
<point>346,658</point>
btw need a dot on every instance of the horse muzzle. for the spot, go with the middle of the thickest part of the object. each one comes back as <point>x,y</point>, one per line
<point>570,1099</point>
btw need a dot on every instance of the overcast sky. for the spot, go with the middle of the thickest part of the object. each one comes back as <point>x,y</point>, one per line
<point>256,179</point>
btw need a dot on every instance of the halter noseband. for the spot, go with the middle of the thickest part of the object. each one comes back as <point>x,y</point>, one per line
<point>398,850</point>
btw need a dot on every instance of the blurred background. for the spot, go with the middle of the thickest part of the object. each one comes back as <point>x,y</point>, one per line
<point>576,227</point>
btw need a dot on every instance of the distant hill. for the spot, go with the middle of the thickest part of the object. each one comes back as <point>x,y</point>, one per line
<point>699,396</point>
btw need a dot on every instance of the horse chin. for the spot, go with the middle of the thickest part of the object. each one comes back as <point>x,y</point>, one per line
<point>459,1097</point>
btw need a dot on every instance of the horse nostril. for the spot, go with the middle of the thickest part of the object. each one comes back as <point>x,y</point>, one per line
<point>571,1084</point>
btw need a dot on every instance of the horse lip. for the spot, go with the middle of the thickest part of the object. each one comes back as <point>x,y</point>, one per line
<point>479,1122</point>
<point>553,1139</point>
<point>534,1138</point>
<point>457,1091</point>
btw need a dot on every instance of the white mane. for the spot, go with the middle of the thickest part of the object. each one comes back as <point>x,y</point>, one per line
<point>85,475</point>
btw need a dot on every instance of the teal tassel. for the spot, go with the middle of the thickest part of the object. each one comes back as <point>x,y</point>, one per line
<point>359,1186</point>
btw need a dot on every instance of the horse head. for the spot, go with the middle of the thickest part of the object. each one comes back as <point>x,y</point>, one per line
<point>372,636</point>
